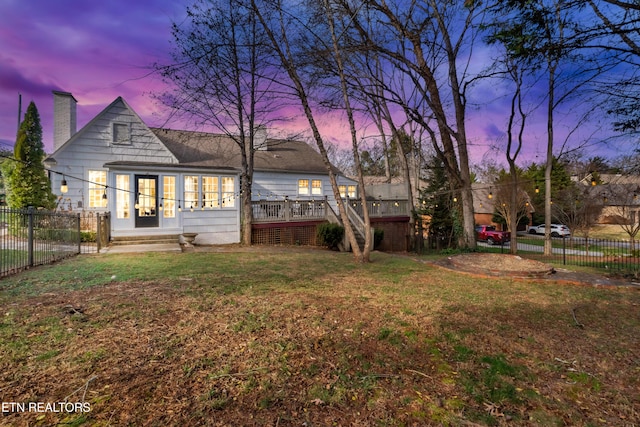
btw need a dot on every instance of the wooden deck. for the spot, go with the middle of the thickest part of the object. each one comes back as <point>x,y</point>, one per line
<point>274,211</point>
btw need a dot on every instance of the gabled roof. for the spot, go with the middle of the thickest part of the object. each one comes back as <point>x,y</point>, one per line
<point>202,149</point>
<point>93,121</point>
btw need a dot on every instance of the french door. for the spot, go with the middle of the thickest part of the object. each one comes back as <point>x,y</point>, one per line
<point>146,205</point>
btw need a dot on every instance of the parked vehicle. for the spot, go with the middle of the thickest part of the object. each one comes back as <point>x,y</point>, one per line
<point>557,230</point>
<point>489,234</point>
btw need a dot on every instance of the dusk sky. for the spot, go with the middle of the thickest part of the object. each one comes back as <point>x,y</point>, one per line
<point>101,50</point>
<point>95,50</point>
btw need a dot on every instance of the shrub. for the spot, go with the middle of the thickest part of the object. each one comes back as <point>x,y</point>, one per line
<point>330,235</point>
<point>88,236</point>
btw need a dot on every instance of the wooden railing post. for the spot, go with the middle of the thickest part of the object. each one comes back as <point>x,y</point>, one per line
<point>287,209</point>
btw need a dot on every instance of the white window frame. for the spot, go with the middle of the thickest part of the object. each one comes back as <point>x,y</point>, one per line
<point>123,196</point>
<point>97,186</point>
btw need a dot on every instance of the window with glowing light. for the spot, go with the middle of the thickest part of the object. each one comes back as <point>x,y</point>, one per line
<point>347,190</point>
<point>316,187</point>
<point>190,192</point>
<point>97,186</point>
<point>169,196</point>
<point>210,192</point>
<point>228,192</point>
<point>122,197</point>
<point>303,187</point>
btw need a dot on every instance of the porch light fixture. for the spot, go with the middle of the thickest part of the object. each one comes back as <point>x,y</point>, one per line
<point>63,186</point>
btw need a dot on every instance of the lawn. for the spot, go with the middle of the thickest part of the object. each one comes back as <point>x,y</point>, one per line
<point>283,337</point>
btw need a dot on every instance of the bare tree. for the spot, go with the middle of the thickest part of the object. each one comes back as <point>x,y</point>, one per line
<point>429,43</point>
<point>223,80</point>
<point>578,206</point>
<point>543,34</point>
<point>277,21</point>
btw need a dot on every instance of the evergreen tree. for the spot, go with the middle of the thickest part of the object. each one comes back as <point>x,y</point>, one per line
<point>436,201</point>
<point>28,184</point>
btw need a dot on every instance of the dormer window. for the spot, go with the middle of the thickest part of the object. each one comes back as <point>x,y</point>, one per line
<point>121,133</point>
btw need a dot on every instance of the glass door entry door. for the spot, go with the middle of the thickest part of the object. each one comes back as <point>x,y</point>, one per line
<point>146,204</point>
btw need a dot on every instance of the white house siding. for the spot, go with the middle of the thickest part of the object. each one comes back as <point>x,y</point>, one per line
<point>275,186</point>
<point>214,225</point>
<point>92,147</point>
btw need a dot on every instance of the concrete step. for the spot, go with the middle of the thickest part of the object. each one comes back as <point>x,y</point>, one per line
<point>144,240</point>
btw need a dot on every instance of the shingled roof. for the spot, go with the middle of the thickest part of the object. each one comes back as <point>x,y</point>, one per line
<point>202,149</point>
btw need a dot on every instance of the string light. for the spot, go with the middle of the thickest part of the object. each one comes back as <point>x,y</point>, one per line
<point>63,186</point>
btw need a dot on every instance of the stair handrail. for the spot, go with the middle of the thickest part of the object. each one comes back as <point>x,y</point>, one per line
<point>355,219</point>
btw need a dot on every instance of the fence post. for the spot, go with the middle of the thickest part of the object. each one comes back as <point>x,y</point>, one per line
<point>564,251</point>
<point>30,236</point>
<point>79,235</point>
<point>98,233</point>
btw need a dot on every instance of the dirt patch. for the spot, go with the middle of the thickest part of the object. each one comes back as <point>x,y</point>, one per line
<point>504,265</point>
<point>499,265</point>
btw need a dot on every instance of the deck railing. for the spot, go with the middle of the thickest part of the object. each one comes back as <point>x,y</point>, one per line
<point>312,210</point>
<point>289,210</point>
<point>381,208</point>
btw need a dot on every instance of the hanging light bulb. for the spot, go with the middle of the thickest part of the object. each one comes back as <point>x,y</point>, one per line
<point>63,186</point>
<point>137,205</point>
<point>161,202</point>
<point>104,197</point>
<point>179,206</point>
<point>490,193</point>
<point>537,189</point>
<point>191,207</point>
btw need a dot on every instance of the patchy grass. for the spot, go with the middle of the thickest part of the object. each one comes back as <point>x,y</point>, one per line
<point>284,337</point>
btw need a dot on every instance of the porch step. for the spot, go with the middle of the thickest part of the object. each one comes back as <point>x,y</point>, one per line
<point>144,240</point>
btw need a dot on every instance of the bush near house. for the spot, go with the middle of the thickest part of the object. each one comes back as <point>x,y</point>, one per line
<point>330,235</point>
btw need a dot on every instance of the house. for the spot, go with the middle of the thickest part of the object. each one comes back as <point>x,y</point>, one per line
<point>619,196</point>
<point>162,182</point>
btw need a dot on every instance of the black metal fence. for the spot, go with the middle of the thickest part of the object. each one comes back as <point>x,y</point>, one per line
<point>30,237</point>
<point>614,256</point>
<point>618,257</point>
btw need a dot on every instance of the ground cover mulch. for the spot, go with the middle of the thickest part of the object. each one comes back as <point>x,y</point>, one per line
<point>349,350</point>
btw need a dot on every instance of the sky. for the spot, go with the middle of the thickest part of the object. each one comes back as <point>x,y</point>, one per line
<point>101,50</point>
<point>95,50</point>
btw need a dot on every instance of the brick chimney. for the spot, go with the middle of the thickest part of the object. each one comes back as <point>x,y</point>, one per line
<point>64,117</point>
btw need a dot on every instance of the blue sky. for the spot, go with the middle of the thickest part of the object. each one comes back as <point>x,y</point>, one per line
<point>101,50</point>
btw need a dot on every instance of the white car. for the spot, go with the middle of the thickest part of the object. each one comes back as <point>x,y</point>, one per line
<point>557,230</point>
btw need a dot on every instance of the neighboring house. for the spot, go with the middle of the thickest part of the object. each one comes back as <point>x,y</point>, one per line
<point>619,195</point>
<point>484,207</point>
<point>162,182</point>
